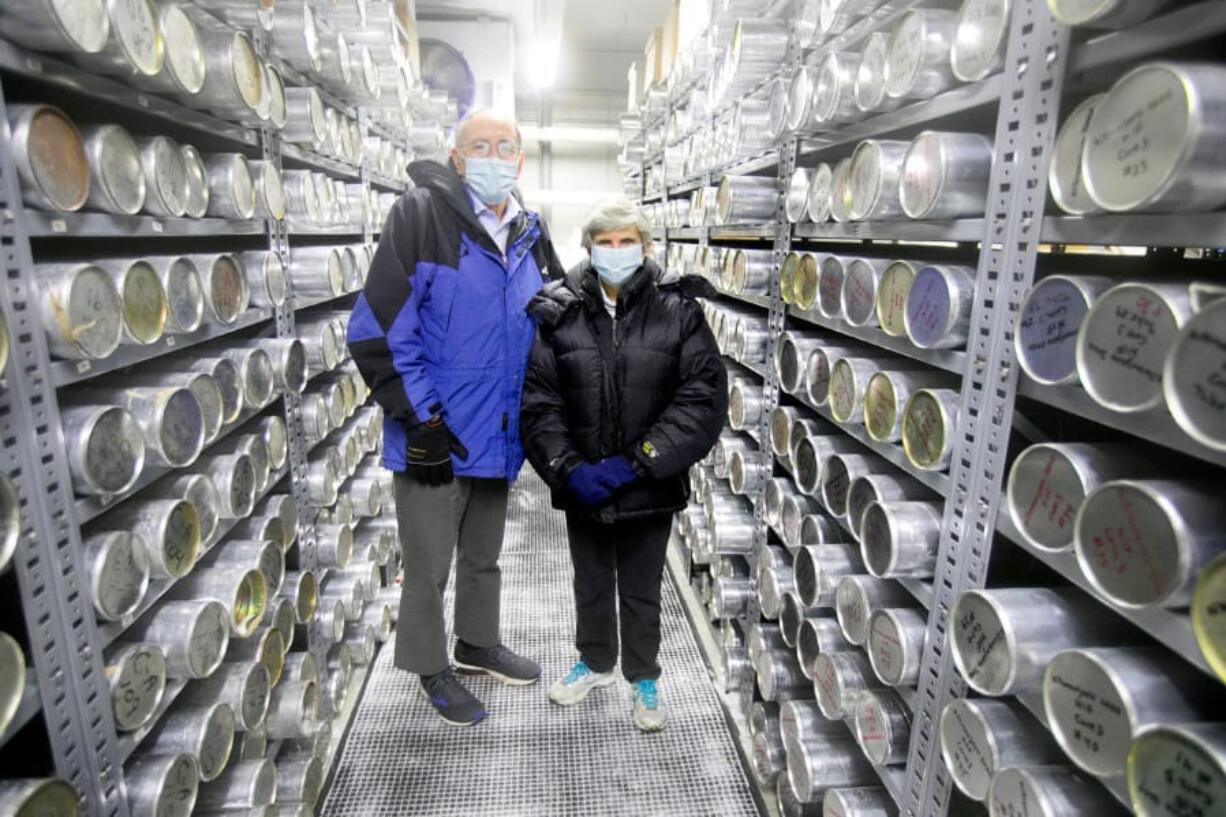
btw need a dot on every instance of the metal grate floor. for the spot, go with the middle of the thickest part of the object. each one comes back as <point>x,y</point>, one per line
<point>531,757</point>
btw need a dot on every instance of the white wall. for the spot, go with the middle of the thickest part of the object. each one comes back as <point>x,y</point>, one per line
<point>583,175</point>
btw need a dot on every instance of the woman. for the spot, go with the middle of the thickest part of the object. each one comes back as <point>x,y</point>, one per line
<point>625,391</point>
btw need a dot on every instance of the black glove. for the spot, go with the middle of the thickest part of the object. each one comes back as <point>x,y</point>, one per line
<point>428,448</point>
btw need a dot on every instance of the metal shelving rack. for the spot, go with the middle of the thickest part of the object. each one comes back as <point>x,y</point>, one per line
<point>1040,60</point>
<point>66,682</point>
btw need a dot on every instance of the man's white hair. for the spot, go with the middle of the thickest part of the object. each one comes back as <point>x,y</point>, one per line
<point>617,214</point>
<point>486,113</point>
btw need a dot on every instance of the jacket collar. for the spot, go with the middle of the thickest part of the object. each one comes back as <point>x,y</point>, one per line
<point>448,188</point>
<point>584,282</point>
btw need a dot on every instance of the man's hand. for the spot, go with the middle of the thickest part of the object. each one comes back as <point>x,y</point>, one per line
<point>428,448</point>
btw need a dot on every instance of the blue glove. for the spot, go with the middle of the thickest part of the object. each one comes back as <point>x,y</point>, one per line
<point>594,484</point>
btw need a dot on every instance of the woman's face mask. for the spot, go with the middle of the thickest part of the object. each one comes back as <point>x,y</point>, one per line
<point>615,265</point>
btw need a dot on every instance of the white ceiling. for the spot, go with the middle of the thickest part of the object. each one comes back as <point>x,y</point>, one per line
<point>600,39</point>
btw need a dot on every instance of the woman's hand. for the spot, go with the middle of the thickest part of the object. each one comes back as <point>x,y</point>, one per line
<point>594,483</point>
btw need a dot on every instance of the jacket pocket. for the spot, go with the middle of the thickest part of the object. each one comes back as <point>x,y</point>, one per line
<point>436,313</point>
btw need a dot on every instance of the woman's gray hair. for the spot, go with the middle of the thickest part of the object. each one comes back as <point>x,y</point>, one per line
<point>617,214</point>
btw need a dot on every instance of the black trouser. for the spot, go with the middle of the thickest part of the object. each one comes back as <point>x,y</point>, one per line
<point>622,562</point>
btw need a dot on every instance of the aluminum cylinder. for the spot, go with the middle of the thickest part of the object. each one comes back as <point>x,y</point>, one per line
<point>729,597</point>
<point>1003,639</point>
<point>1064,172</point>
<point>224,281</point>
<point>231,188</point>
<point>821,181</point>
<point>900,538</point>
<point>1098,700</point>
<point>197,489</point>
<point>811,455</point>
<point>827,762</point>
<point>167,529</point>
<point>882,727</point>
<point>1191,382</point>
<point>50,157</point>
<point>945,175</point>
<point>162,785</point>
<point>180,282</point>
<point>1208,619</point>
<point>831,273</point>
<point>792,612</point>
<point>266,647</point>
<point>299,779</point>
<point>244,687</point>
<point>118,567</point>
<point>746,199</point>
<point>1048,484</point>
<point>867,489</point>
<point>896,644</point>
<point>938,308</point>
<point>834,99</point>
<point>196,205</point>
<point>1140,543</point>
<point>253,446</point>
<point>136,675</point>
<point>116,184</point>
<point>81,310</point>
<point>773,582</point>
<point>745,406</point>
<point>207,732</point>
<point>145,306</point>
<point>797,196</point>
<point>10,517</point>
<point>838,473</point>
<point>261,554</point>
<point>334,544</point>
<point>1048,791</point>
<point>317,272</point>
<point>281,617</point>
<point>106,448</point>
<point>869,89</point>
<point>166,176</point>
<point>864,801</point>
<point>978,40</point>
<point>52,796</point>
<point>246,784</point>
<point>1123,342</point>
<point>276,440</point>
<point>306,120</point>
<point>887,393</point>
<point>1153,142</point>
<point>818,569</point>
<point>858,296</point>
<point>793,360</point>
<point>762,637</point>
<point>233,78</point>
<point>796,509</point>
<point>293,710</point>
<point>170,419</point>
<point>82,27</point>
<point>893,294</point>
<point>362,640</point>
<point>1045,340</point>
<point>980,738</point>
<point>768,758</point>
<point>856,597</point>
<point>1169,764</point>
<point>270,190</point>
<point>251,745</point>
<point>234,477</point>
<point>917,66</point>
<point>818,635</point>
<point>929,428</point>
<point>848,380</point>
<point>801,721</point>
<point>241,590</point>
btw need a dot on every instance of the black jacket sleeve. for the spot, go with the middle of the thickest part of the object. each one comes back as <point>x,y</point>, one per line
<point>384,331</point>
<point>547,260</point>
<point>542,418</point>
<point>686,430</point>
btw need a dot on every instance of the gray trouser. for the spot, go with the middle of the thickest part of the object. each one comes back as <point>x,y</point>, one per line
<point>465,517</point>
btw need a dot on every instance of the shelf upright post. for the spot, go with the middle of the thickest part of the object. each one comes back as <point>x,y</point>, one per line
<point>283,318</point>
<point>1025,131</point>
<point>50,561</point>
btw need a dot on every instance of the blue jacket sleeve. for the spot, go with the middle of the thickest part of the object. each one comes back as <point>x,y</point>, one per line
<point>385,335</point>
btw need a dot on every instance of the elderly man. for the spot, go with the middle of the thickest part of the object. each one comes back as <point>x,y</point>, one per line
<point>441,336</point>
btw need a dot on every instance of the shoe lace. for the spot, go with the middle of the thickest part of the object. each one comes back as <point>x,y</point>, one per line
<point>578,671</point>
<point>646,690</point>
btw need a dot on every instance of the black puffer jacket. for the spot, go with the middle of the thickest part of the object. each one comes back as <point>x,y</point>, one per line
<point>650,386</point>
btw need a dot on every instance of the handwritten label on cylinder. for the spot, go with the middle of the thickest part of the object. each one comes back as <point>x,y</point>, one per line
<point>1047,330</point>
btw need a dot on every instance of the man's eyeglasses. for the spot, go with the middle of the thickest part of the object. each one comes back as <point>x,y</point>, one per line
<point>482,149</point>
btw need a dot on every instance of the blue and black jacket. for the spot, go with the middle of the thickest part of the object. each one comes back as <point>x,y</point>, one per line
<point>440,327</point>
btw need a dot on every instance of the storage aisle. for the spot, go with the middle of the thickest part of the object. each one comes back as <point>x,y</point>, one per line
<point>531,757</point>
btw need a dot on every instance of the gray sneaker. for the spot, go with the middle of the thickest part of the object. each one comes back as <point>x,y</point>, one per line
<point>498,662</point>
<point>573,687</point>
<point>649,713</point>
<point>454,704</point>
